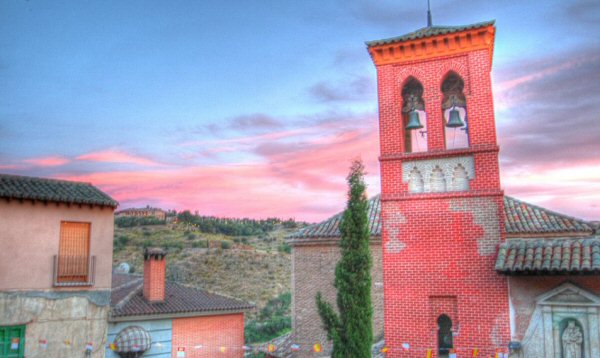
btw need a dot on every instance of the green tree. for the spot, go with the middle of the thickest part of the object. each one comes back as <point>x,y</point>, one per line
<point>351,329</point>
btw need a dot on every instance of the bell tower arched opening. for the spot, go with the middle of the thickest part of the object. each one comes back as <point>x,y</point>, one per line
<point>454,108</point>
<point>414,118</point>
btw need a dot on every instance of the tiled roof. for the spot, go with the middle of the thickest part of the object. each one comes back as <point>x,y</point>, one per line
<point>520,218</point>
<point>330,227</point>
<point>428,32</point>
<point>127,299</point>
<point>558,256</point>
<point>61,191</point>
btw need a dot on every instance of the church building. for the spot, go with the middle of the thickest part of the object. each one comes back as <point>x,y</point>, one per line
<point>459,269</point>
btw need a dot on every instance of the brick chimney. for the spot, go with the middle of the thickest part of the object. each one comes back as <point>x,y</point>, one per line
<point>155,265</point>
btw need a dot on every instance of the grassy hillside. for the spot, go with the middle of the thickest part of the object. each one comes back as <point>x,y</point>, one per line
<point>252,268</point>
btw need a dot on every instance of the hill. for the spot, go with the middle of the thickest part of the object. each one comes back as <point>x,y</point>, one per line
<point>255,268</point>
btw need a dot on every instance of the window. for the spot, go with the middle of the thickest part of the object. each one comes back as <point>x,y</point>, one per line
<point>74,252</point>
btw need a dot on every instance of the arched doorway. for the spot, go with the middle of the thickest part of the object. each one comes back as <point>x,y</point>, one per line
<point>444,335</point>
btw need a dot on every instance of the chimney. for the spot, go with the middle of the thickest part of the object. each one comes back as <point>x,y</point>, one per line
<point>155,265</point>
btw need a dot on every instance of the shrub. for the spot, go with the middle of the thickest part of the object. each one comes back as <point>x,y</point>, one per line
<point>130,221</point>
<point>284,247</point>
<point>190,236</point>
<point>225,245</point>
<point>200,244</point>
<point>273,320</point>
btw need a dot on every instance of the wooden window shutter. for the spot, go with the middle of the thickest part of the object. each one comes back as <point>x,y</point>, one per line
<point>74,252</point>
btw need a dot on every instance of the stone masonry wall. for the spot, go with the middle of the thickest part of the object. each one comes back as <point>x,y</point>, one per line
<point>59,318</point>
<point>314,271</point>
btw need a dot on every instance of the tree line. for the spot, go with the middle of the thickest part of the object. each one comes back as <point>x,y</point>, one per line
<point>232,226</point>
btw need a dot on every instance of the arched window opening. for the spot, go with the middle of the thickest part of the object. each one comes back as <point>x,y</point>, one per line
<point>454,107</point>
<point>444,336</point>
<point>414,119</point>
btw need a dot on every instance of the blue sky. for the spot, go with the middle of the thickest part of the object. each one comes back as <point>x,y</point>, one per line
<point>196,104</point>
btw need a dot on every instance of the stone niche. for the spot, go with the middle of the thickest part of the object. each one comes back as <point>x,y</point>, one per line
<point>438,175</point>
<point>553,312</point>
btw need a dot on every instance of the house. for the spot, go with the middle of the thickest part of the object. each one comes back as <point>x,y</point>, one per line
<point>458,267</point>
<point>55,267</point>
<point>159,318</point>
<point>148,211</point>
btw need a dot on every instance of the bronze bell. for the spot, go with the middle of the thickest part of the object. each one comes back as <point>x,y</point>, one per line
<point>413,121</point>
<point>455,121</point>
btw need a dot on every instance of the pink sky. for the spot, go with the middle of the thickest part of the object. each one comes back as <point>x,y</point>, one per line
<point>204,107</point>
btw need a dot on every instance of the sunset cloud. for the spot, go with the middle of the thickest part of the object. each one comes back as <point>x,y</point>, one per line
<point>271,130</point>
<point>295,175</point>
<point>550,110</point>
<point>53,161</point>
<point>116,156</point>
<point>548,131</point>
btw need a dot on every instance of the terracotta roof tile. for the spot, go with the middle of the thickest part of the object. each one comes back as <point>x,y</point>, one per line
<point>62,191</point>
<point>428,32</point>
<point>127,299</point>
<point>557,256</point>
<point>330,227</point>
<point>520,218</point>
<point>525,218</point>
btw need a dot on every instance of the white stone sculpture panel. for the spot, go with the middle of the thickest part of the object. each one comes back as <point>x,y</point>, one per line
<point>557,310</point>
<point>423,176</point>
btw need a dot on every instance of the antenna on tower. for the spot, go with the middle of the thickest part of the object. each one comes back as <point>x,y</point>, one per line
<point>429,21</point>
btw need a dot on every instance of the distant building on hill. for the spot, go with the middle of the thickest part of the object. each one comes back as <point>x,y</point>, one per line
<point>158,318</point>
<point>143,212</point>
<point>55,267</point>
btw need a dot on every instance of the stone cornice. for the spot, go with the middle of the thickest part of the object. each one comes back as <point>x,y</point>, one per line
<point>435,46</point>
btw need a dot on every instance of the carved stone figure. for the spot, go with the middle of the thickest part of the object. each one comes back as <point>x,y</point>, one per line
<point>571,341</point>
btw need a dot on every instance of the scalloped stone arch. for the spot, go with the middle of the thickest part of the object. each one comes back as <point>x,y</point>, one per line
<point>437,180</point>
<point>457,67</point>
<point>460,178</point>
<point>415,181</point>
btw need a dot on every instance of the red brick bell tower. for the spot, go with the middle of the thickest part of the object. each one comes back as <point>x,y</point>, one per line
<point>440,193</point>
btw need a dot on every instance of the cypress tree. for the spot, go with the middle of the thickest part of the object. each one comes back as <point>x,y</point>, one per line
<point>351,329</point>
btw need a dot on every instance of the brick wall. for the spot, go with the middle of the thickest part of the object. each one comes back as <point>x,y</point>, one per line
<point>314,271</point>
<point>439,257</point>
<point>439,248</point>
<point>209,336</point>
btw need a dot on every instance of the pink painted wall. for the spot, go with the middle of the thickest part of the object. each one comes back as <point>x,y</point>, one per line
<point>29,239</point>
